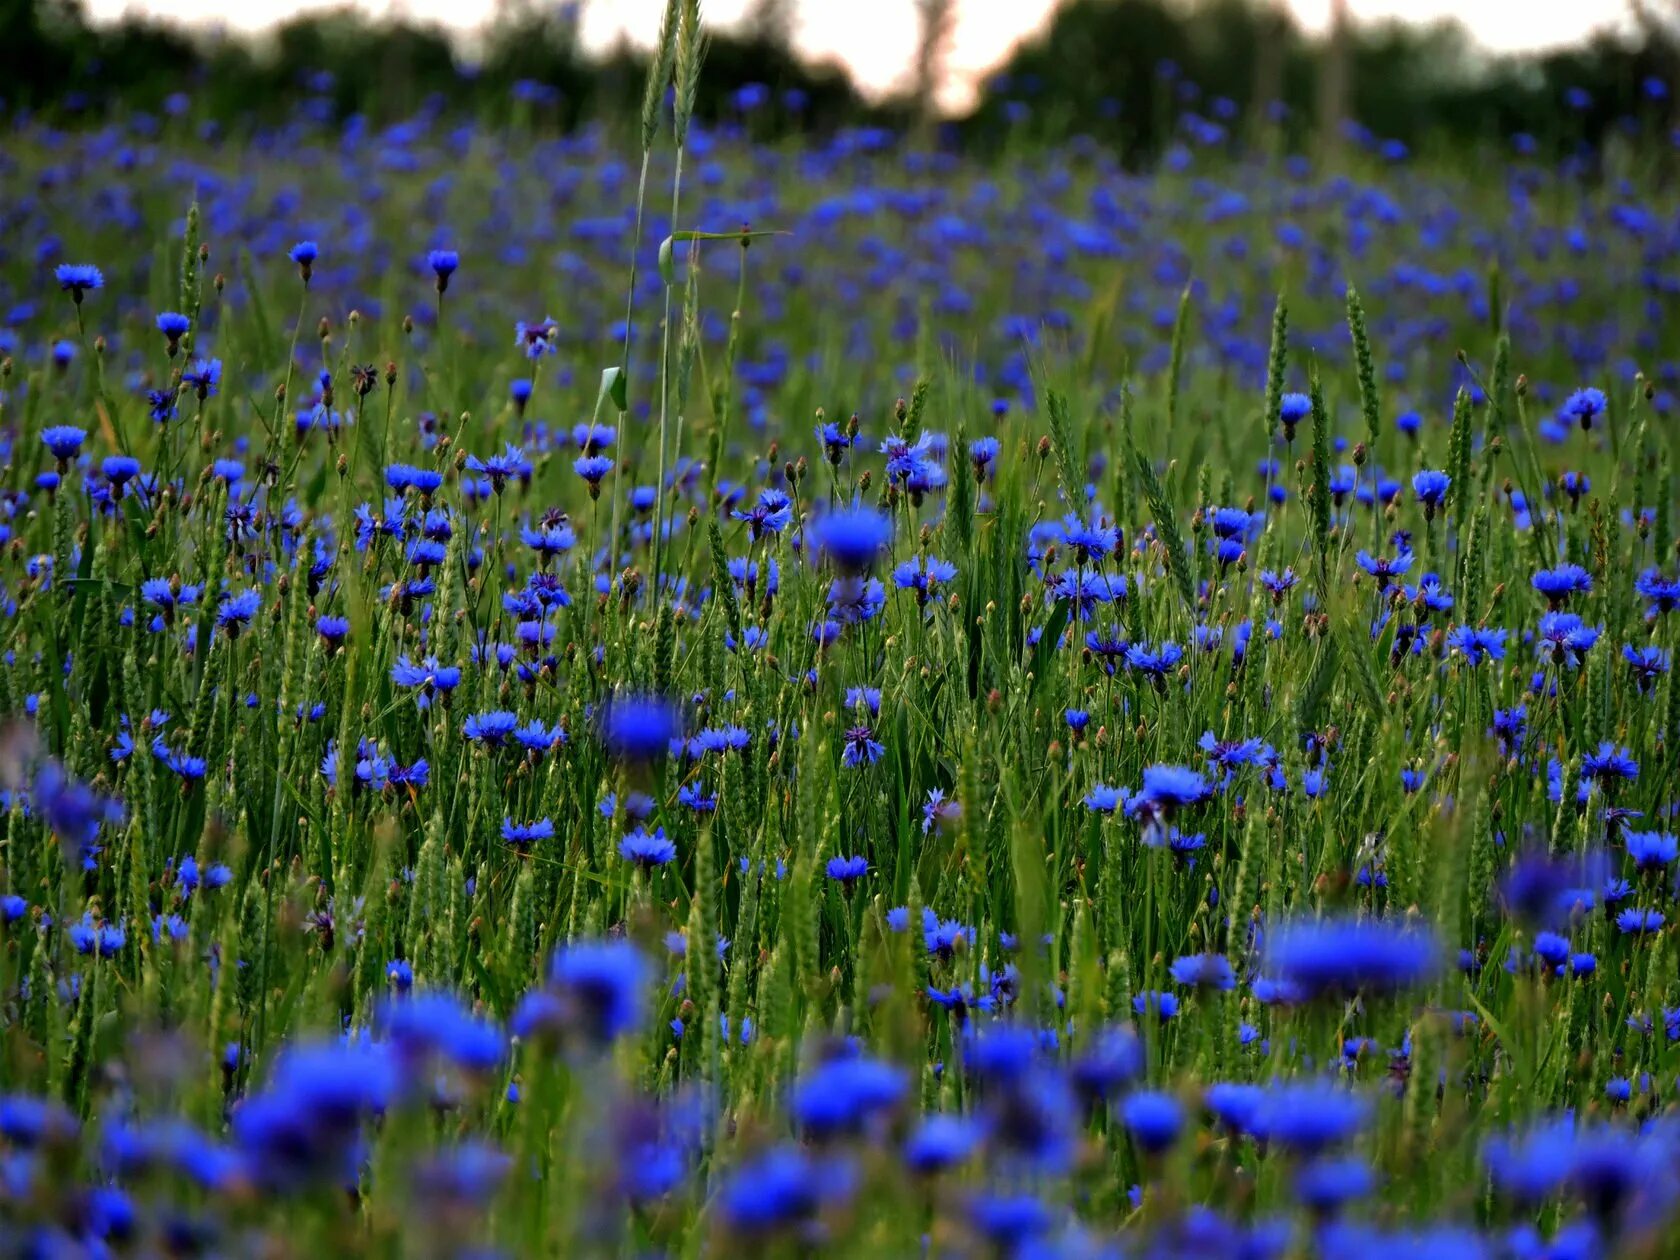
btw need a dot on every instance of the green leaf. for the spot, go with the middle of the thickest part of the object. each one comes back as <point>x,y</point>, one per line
<point>1047,642</point>
<point>614,385</point>
<point>1166,527</point>
<point>723,236</point>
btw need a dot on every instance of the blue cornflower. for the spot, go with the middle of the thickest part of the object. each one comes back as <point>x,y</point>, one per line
<point>852,537</point>
<point>1010,1223</point>
<point>1335,956</point>
<point>1086,590</point>
<point>1325,1185</point>
<point>1662,591</point>
<point>1584,406</point>
<point>1428,596</point>
<point>905,460</point>
<point>1154,662</point>
<point>938,811</point>
<point>694,796</point>
<point>943,936</point>
<point>1551,948</point>
<point>189,877</point>
<point>835,440</point>
<point>1648,664</point>
<point>600,987</point>
<point>1294,409</point>
<point>1233,524</point>
<point>510,463</point>
<point>160,404</point>
<point>552,535</point>
<point>1102,799</point>
<point>782,1188</point>
<point>719,739</point>
<point>1169,788</point>
<point>119,470</point>
<point>1652,850</point>
<point>864,697</point>
<point>941,1142</point>
<point>536,339</point>
<point>1204,971</point>
<point>1476,645</point>
<point>1431,488</point>
<point>436,1025</point>
<point>304,254</point>
<point>862,748</point>
<point>1558,584</point>
<point>236,611</point>
<point>1384,568</point>
<point>1234,1104</point>
<point>78,279</point>
<point>523,835</point>
<point>982,453</point>
<point>924,575</point>
<point>73,811</point>
<point>1115,1059</point>
<point>1153,1119</point>
<point>1563,636</point>
<point>98,937</point>
<point>1000,1053</point>
<point>444,263</point>
<point>1228,754</point>
<point>204,376</point>
<point>64,441</point>
<point>1608,764</point>
<point>1182,845</point>
<point>173,325</point>
<point>1308,1117</point>
<point>1090,541</point>
<point>639,728</point>
<point>770,515</point>
<point>847,870</point>
<point>1530,1167</point>
<point>492,729</point>
<point>592,468</point>
<point>1279,584</point>
<point>845,1094</point>
<point>1639,922</point>
<point>426,677</point>
<point>647,849</point>
<point>591,438</point>
<point>1162,1005</point>
<point>332,629</point>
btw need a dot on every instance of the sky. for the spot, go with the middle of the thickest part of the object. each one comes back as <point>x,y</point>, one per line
<point>876,39</point>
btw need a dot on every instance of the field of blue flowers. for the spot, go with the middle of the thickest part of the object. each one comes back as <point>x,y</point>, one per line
<point>656,694</point>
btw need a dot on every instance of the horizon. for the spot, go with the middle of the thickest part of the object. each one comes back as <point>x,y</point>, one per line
<point>875,40</point>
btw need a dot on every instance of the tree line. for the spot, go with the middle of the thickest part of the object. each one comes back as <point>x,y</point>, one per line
<point>1138,75</point>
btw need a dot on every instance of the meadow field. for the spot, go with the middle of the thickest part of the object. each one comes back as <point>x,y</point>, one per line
<point>661,693</point>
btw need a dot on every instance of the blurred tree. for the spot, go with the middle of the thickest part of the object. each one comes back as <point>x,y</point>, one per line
<point>771,20</point>
<point>1145,74</point>
<point>934,19</point>
<point>1138,75</point>
<point>1333,76</point>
